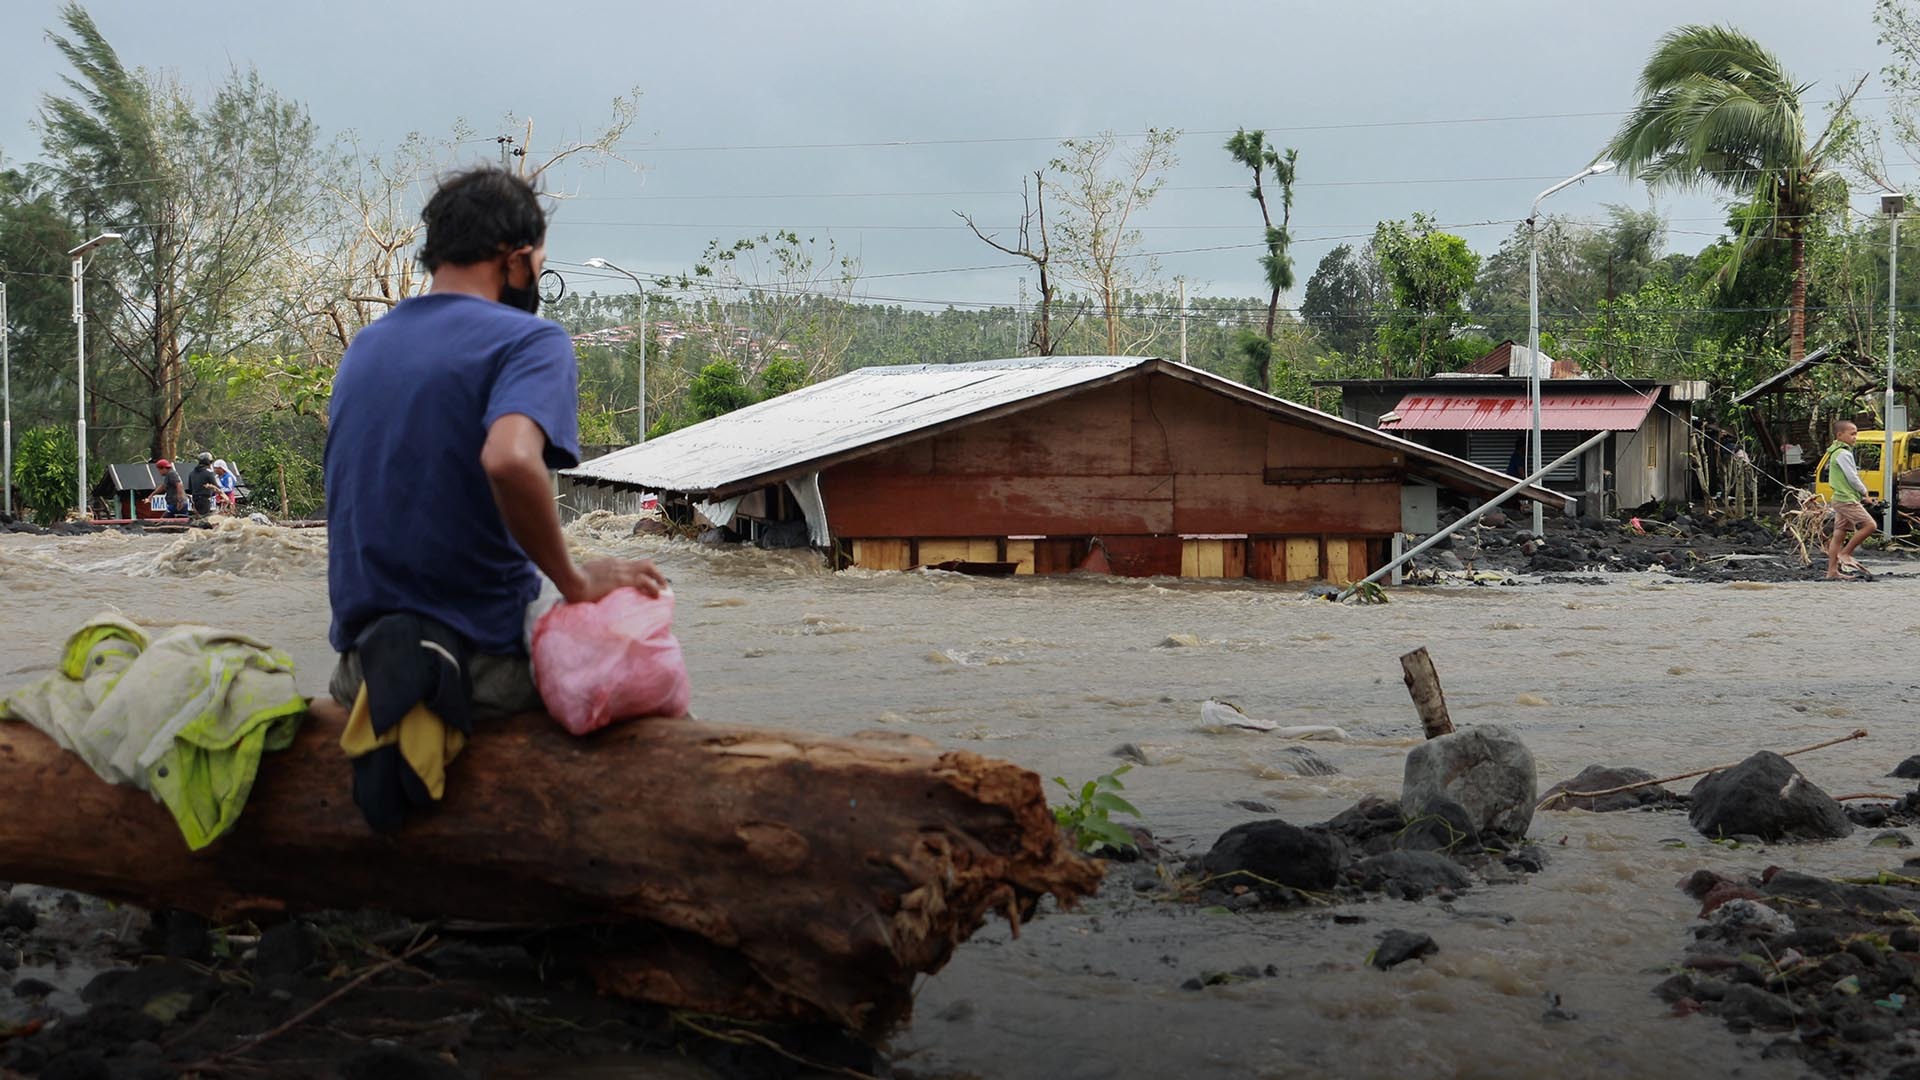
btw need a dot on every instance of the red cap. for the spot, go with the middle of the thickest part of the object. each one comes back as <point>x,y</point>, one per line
<point>163,463</point>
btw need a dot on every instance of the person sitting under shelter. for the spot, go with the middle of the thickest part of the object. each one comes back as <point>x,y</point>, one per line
<point>225,496</point>
<point>172,488</point>
<point>202,485</point>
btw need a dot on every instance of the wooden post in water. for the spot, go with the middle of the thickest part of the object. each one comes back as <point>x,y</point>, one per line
<point>285,513</point>
<point>1424,684</point>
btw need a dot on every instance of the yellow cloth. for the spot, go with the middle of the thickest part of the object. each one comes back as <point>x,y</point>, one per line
<point>426,743</point>
<point>186,716</point>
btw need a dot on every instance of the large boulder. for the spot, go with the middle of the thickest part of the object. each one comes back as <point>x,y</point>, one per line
<point>1606,778</point>
<point>1486,769</point>
<point>1257,853</point>
<point>1766,796</point>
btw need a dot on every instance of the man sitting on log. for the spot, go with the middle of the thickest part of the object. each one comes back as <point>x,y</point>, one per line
<point>446,415</point>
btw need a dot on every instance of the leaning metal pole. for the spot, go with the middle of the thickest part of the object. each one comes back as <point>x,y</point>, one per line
<point>1476,514</point>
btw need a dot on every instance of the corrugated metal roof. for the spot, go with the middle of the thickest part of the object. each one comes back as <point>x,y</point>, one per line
<point>858,412</point>
<point>862,407</point>
<point>1599,410</point>
<point>1499,361</point>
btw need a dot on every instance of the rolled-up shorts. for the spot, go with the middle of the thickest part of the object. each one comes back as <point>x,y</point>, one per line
<point>1851,515</point>
<point>502,685</point>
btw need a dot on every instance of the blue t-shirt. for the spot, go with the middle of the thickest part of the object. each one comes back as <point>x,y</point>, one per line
<point>411,521</point>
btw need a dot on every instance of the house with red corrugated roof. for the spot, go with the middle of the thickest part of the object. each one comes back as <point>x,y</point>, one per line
<point>1483,413</point>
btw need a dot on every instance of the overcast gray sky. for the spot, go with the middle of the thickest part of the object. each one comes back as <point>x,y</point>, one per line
<point>1463,110</point>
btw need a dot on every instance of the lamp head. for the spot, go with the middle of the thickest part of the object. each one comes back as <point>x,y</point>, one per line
<point>1599,167</point>
<point>103,238</point>
<point>1893,202</point>
<point>597,263</point>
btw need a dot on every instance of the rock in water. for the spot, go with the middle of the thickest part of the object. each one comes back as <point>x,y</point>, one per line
<point>1606,778</point>
<point>1410,875</point>
<point>1766,796</point>
<point>1440,824</point>
<point>1485,769</point>
<point>1274,851</point>
<point>1399,946</point>
<point>1908,769</point>
<point>1369,826</point>
<point>1306,762</point>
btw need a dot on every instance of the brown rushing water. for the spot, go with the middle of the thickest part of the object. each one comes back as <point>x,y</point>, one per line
<point>1057,673</point>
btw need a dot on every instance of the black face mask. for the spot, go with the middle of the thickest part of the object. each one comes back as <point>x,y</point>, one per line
<point>527,299</point>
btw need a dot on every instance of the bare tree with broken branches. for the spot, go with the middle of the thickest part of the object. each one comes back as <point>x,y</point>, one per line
<point>1033,222</point>
<point>1100,196</point>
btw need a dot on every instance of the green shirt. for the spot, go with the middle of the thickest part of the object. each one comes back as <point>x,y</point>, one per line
<point>1843,489</point>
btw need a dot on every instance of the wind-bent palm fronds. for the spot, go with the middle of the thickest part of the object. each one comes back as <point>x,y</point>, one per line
<point>1717,110</point>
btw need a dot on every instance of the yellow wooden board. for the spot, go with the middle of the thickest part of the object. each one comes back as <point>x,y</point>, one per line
<point>961,550</point>
<point>1203,558</point>
<point>1303,559</point>
<point>1337,562</point>
<point>1020,552</point>
<point>881,554</point>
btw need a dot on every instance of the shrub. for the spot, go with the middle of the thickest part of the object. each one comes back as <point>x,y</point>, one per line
<point>45,471</point>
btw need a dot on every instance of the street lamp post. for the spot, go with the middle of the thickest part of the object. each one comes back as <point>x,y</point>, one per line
<point>1891,204</point>
<point>603,264</point>
<point>79,255</point>
<point>6,409</point>
<point>1533,324</point>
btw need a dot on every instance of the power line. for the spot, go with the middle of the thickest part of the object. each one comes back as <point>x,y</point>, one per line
<point>909,142</point>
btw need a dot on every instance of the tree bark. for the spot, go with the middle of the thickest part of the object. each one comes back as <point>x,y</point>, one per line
<point>740,871</point>
<point>1423,683</point>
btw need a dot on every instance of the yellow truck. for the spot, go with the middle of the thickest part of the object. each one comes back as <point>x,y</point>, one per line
<point>1866,456</point>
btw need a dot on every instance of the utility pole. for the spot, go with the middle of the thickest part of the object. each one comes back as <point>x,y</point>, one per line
<point>1891,204</point>
<point>1183,320</point>
<point>79,256</point>
<point>6,408</point>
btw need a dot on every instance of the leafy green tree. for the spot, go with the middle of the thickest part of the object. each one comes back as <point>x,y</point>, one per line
<point>1427,274</point>
<point>782,375</point>
<point>207,195</point>
<point>1568,287</point>
<point>45,471</point>
<point>1718,110</point>
<point>35,237</point>
<point>717,389</point>
<point>1250,149</point>
<point>1340,297</point>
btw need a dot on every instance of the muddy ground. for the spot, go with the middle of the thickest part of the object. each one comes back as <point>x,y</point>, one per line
<point>1535,973</point>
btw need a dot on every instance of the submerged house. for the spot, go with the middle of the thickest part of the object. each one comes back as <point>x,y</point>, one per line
<point>1483,413</point>
<point>1136,465</point>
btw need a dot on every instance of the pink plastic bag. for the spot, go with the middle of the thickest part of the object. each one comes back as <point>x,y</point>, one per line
<point>610,660</point>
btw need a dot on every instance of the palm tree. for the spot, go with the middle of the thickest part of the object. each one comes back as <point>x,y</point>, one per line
<point>1718,111</point>
<point>1250,148</point>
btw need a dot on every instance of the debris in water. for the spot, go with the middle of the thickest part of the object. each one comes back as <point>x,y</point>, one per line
<point>1215,713</point>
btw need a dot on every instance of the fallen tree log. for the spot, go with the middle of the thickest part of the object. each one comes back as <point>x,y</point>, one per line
<point>742,871</point>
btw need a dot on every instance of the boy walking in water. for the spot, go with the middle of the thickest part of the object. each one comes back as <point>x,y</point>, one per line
<point>1848,491</point>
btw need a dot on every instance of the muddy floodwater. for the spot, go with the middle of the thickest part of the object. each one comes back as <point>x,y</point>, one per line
<point>1057,674</point>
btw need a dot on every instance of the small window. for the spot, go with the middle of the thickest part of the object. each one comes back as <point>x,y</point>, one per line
<point>1866,455</point>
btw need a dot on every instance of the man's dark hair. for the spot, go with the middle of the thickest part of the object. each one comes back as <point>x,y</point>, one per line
<point>478,214</point>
